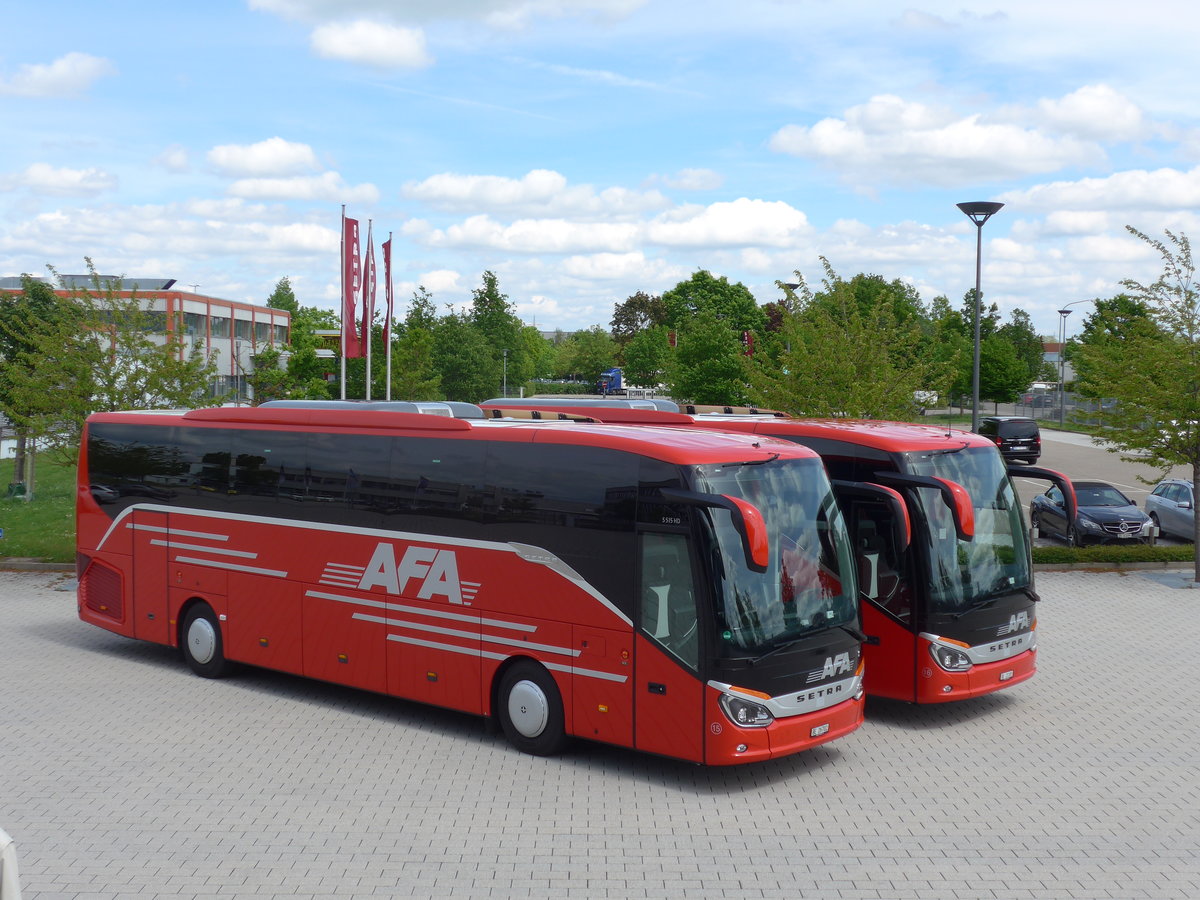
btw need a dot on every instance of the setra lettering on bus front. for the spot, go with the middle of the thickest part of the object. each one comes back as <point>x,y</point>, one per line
<point>436,568</point>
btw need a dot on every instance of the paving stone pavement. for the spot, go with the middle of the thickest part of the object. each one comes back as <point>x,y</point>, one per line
<point>123,775</point>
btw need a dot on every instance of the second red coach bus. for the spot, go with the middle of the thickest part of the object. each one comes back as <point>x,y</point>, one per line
<point>951,612</point>
<point>690,594</point>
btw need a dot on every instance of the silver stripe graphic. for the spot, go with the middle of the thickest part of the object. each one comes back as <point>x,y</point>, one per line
<point>178,532</point>
<point>587,673</point>
<point>468,635</point>
<point>234,567</point>
<point>452,648</point>
<point>220,551</point>
<point>418,611</point>
<point>467,651</point>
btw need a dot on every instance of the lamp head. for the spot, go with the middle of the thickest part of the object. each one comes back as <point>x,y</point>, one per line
<point>979,211</point>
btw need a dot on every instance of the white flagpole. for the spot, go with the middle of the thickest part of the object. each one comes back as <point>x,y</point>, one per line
<point>342,298</point>
<point>368,297</point>
<point>387,264</point>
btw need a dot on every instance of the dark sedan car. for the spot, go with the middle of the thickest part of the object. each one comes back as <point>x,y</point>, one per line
<point>1104,514</point>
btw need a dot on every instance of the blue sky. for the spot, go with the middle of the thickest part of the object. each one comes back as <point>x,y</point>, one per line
<point>584,150</point>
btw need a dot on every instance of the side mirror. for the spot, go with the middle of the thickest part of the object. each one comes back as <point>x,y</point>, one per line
<point>747,519</point>
<point>1056,478</point>
<point>954,495</point>
<point>1185,504</point>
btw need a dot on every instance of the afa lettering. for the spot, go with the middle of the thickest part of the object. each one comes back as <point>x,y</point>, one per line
<point>436,569</point>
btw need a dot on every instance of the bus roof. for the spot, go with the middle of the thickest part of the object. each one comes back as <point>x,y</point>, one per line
<point>683,446</point>
<point>892,437</point>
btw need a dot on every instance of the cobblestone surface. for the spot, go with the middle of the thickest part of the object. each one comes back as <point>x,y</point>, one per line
<point>123,775</point>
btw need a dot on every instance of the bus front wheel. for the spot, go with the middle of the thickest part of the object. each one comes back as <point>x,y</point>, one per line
<point>530,709</point>
<point>201,642</point>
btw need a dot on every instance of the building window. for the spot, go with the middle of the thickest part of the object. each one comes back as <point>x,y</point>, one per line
<point>242,329</point>
<point>220,326</point>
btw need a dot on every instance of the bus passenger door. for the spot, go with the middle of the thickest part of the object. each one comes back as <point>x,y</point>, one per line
<point>886,596</point>
<point>151,558</point>
<point>668,693</point>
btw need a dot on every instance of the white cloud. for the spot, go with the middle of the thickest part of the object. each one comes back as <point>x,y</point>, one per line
<point>372,43</point>
<point>1095,112</point>
<point>540,192</point>
<point>67,75</point>
<point>174,159</point>
<point>743,222</point>
<point>692,180</point>
<point>890,139</point>
<point>42,178</point>
<point>535,235</point>
<point>326,186</point>
<point>506,13</point>
<point>1162,189</point>
<point>272,157</point>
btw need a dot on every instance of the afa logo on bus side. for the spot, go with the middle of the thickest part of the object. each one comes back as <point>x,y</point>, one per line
<point>437,570</point>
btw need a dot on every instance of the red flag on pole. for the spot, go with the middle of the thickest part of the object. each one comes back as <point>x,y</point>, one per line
<point>351,347</point>
<point>386,246</point>
<point>368,291</point>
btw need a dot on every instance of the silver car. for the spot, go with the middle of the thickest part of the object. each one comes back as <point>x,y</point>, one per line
<point>1173,508</point>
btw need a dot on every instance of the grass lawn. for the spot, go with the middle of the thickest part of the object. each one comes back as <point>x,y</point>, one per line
<point>43,528</point>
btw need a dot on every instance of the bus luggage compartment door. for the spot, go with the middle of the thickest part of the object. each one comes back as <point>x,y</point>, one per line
<point>151,559</point>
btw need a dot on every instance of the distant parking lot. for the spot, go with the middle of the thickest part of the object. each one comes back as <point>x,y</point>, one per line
<point>123,775</point>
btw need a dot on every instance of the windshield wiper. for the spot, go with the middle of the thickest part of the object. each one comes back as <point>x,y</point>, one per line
<point>978,604</point>
<point>947,451</point>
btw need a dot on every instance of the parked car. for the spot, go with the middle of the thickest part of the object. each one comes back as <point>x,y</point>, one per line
<point>1018,437</point>
<point>1172,507</point>
<point>1103,514</point>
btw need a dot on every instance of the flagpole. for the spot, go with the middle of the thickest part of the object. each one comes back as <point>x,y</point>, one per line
<point>342,297</point>
<point>387,327</point>
<point>368,304</point>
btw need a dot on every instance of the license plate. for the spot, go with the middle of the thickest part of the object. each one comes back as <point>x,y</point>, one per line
<point>1005,676</point>
<point>1019,447</point>
<point>1128,534</point>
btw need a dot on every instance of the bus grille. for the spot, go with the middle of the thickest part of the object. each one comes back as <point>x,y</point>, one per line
<point>100,591</point>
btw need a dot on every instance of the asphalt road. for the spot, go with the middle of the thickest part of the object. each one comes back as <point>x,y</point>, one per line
<point>1079,458</point>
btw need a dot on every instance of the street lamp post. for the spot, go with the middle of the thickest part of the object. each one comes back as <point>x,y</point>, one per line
<point>1062,359</point>
<point>978,211</point>
<point>505,352</point>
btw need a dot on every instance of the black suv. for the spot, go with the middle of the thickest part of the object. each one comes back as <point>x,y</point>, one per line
<point>1016,436</point>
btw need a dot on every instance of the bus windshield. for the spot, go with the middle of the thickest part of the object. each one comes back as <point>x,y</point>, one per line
<point>965,573</point>
<point>809,584</point>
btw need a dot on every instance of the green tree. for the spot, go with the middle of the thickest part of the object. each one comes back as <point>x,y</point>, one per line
<point>414,370</point>
<point>463,358</point>
<point>283,297</point>
<point>1153,372</point>
<point>707,365</point>
<point>647,357</point>
<point>495,318</point>
<point>846,351</point>
<point>109,353</point>
<point>1002,373</point>
<point>23,314</point>
<point>634,315</point>
<point>1027,343</point>
<point>588,353</point>
<point>731,304</point>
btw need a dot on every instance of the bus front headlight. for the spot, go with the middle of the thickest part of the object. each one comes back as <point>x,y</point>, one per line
<point>950,658</point>
<point>745,713</point>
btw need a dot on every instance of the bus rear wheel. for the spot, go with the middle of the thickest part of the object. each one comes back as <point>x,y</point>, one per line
<point>530,709</point>
<point>201,642</point>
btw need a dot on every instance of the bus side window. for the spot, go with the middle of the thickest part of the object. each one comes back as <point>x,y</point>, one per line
<point>668,599</point>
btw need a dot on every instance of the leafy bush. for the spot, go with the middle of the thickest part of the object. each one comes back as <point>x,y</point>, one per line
<point>1114,553</point>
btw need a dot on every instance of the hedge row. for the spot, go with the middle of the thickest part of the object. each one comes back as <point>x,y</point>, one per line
<point>1115,553</point>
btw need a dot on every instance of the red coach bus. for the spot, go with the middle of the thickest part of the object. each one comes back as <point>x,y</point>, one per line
<point>951,612</point>
<point>686,593</point>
